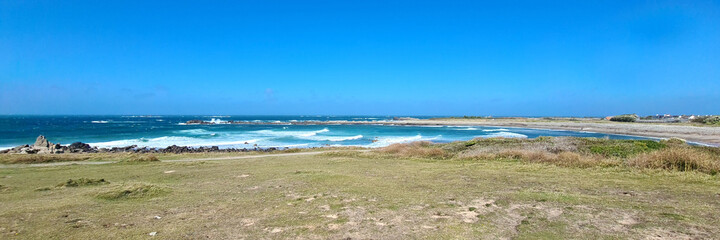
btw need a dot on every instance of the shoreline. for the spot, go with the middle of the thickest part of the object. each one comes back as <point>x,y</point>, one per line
<point>709,136</point>
<point>706,136</point>
<point>702,135</point>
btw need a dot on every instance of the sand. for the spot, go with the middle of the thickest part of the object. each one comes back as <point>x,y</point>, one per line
<point>697,134</point>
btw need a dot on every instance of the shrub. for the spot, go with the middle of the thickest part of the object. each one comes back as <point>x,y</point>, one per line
<point>624,118</point>
<point>710,120</point>
<point>679,159</point>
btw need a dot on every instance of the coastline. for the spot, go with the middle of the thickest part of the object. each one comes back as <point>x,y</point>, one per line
<point>702,135</point>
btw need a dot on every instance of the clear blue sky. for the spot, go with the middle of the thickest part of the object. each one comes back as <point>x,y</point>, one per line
<point>413,57</point>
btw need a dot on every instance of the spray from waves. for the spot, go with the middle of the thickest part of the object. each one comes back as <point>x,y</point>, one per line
<point>298,134</point>
<point>99,121</point>
<point>197,131</point>
<point>466,129</point>
<point>496,130</point>
<point>505,135</point>
<point>333,138</point>
<point>385,141</point>
<point>218,121</point>
<point>162,142</point>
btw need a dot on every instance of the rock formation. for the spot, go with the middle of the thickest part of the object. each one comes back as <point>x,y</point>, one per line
<point>43,146</point>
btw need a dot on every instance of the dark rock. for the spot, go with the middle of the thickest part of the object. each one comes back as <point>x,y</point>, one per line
<point>195,122</point>
<point>79,147</point>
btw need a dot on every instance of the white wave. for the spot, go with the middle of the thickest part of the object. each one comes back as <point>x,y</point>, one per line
<point>99,121</point>
<point>333,138</point>
<point>197,131</point>
<point>217,121</point>
<point>385,141</point>
<point>466,129</point>
<point>296,134</point>
<point>496,130</point>
<point>505,135</point>
<point>161,142</point>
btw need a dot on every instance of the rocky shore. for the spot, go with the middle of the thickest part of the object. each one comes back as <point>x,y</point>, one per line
<point>43,146</point>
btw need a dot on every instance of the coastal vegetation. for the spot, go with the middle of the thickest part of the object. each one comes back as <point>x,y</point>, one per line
<point>671,154</point>
<point>708,120</point>
<point>624,118</point>
<point>542,188</point>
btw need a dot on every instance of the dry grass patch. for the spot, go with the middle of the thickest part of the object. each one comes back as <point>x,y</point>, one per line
<point>142,158</point>
<point>132,191</point>
<point>679,159</point>
<point>421,149</point>
<point>564,159</point>
<point>41,158</point>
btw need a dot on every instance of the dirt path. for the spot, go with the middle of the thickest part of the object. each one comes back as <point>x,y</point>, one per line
<point>174,160</point>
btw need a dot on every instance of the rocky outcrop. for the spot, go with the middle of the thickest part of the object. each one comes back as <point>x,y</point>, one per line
<point>41,142</point>
<point>43,146</point>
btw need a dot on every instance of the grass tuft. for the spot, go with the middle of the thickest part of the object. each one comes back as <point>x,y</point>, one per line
<point>132,191</point>
<point>142,158</point>
<point>81,182</point>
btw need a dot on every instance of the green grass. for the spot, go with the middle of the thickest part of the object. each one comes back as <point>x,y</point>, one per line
<point>359,196</point>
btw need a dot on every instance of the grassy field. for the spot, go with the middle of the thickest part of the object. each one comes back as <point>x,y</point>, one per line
<point>464,190</point>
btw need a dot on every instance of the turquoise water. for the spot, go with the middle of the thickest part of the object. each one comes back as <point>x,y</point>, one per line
<point>163,131</point>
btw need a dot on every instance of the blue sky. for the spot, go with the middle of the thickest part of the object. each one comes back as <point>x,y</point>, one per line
<point>533,58</point>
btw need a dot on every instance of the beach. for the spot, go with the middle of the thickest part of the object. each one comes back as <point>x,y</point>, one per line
<point>699,134</point>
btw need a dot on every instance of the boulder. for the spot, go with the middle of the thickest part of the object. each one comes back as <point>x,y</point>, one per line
<point>80,147</point>
<point>42,142</point>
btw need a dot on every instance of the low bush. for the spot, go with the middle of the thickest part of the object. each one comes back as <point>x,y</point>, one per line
<point>624,118</point>
<point>710,120</point>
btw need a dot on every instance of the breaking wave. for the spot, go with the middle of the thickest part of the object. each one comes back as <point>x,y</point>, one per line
<point>495,130</point>
<point>505,135</point>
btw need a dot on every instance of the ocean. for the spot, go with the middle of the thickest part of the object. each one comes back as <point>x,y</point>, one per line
<point>163,131</point>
